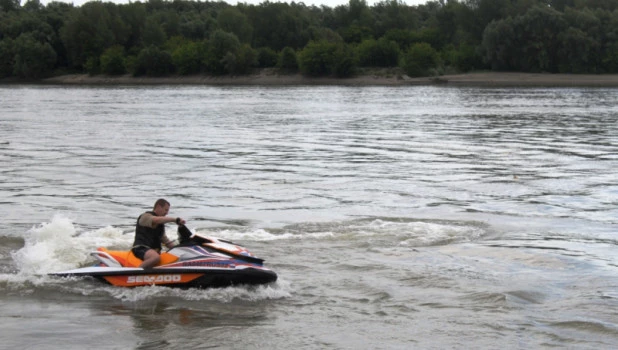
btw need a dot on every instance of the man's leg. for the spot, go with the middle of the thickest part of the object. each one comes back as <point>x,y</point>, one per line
<point>151,259</point>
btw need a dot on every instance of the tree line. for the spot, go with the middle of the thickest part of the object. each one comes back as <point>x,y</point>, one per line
<point>158,37</point>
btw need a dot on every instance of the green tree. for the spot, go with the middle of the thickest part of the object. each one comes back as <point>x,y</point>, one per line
<point>231,20</point>
<point>577,52</point>
<point>55,15</point>
<point>326,34</point>
<point>528,43</point>
<point>403,38</point>
<point>93,65</point>
<point>610,51</point>
<point>288,60</point>
<point>358,11</point>
<point>464,58</point>
<point>447,21</point>
<point>168,19</point>
<point>88,31</point>
<point>153,61</point>
<point>33,59</point>
<point>581,44</point>
<point>112,61</point>
<point>9,5</point>
<point>267,57</point>
<point>539,29</point>
<point>21,22</point>
<point>218,46</point>
<point>32,5</point>
<point>133,15</point>
<point>240,62</point>
<point>187,58</point>
<point>197,26</point>
<point>247,58</point>
<point>518,35</point>
<point>153,35</point>
<point>395,15</point>
<point>7,57</point>
<point>378,53</point>
<point>499,45</point>
<point>419,60</point>
<point>318,58</point>
<point>486,11</point>
<point>345,62</point>
<point>278,25</point>
<point>355,33</point>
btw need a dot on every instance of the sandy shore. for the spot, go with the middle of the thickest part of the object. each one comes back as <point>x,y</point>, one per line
<point>381,79</point>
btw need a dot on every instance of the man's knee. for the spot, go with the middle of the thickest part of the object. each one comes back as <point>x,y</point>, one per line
<point>151,258</point>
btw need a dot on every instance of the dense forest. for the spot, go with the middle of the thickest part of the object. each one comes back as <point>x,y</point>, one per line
<point>158,38</point>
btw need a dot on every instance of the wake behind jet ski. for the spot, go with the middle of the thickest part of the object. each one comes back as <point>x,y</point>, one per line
<point>197,261</point>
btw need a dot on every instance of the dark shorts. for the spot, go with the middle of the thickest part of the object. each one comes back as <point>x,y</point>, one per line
<point>140,251</point>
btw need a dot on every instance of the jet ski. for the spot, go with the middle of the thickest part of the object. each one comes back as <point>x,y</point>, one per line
<point>196,262</point>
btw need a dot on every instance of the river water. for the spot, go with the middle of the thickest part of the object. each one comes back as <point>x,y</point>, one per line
<point>395,217</point>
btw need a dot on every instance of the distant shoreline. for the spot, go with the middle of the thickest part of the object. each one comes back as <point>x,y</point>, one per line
<point>269,78</point>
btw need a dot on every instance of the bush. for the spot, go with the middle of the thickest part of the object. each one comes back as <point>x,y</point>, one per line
<point>345,62</point>
<point>288,60</point>
<point>327,58</point>
<point>187,58</point>
<point>463,59</point>
<point>467,58</point>
<point>241,62</point>
<point>266,57</point>
<point>419,60</point>
<point>152,61</point>
<point>93,65</point>
<point>317,58</point>
<point>112,61</point>
<point>378,53</point>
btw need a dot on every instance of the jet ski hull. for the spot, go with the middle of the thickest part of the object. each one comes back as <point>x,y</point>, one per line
<point>175,277</point>
<point>200,262</point>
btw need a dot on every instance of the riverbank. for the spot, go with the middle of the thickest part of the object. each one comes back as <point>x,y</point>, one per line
<point>381,78</point>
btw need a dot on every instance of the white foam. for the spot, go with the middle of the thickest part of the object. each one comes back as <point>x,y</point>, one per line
<point>57,246</point>
<point>413,233</point>
<point>258,234</point>
<point>273,291</point>
<point>407,232</point>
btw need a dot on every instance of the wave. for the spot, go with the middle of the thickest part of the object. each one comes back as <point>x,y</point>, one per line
<point>59,245</point>
<point>401,231</point>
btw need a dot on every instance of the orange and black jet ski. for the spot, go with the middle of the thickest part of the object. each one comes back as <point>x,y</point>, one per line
<point>197,262</point>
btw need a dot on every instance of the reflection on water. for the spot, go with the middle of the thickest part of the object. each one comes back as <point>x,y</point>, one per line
<point>161,324</point>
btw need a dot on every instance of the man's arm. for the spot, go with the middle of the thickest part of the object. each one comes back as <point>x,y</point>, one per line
<point>169,244</point>
<point>157,220</point>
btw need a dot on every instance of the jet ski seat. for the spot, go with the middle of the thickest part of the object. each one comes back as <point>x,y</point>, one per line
<point>126,258</point>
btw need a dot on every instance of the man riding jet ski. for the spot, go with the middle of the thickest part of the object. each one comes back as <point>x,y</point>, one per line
<point>197,261</point>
